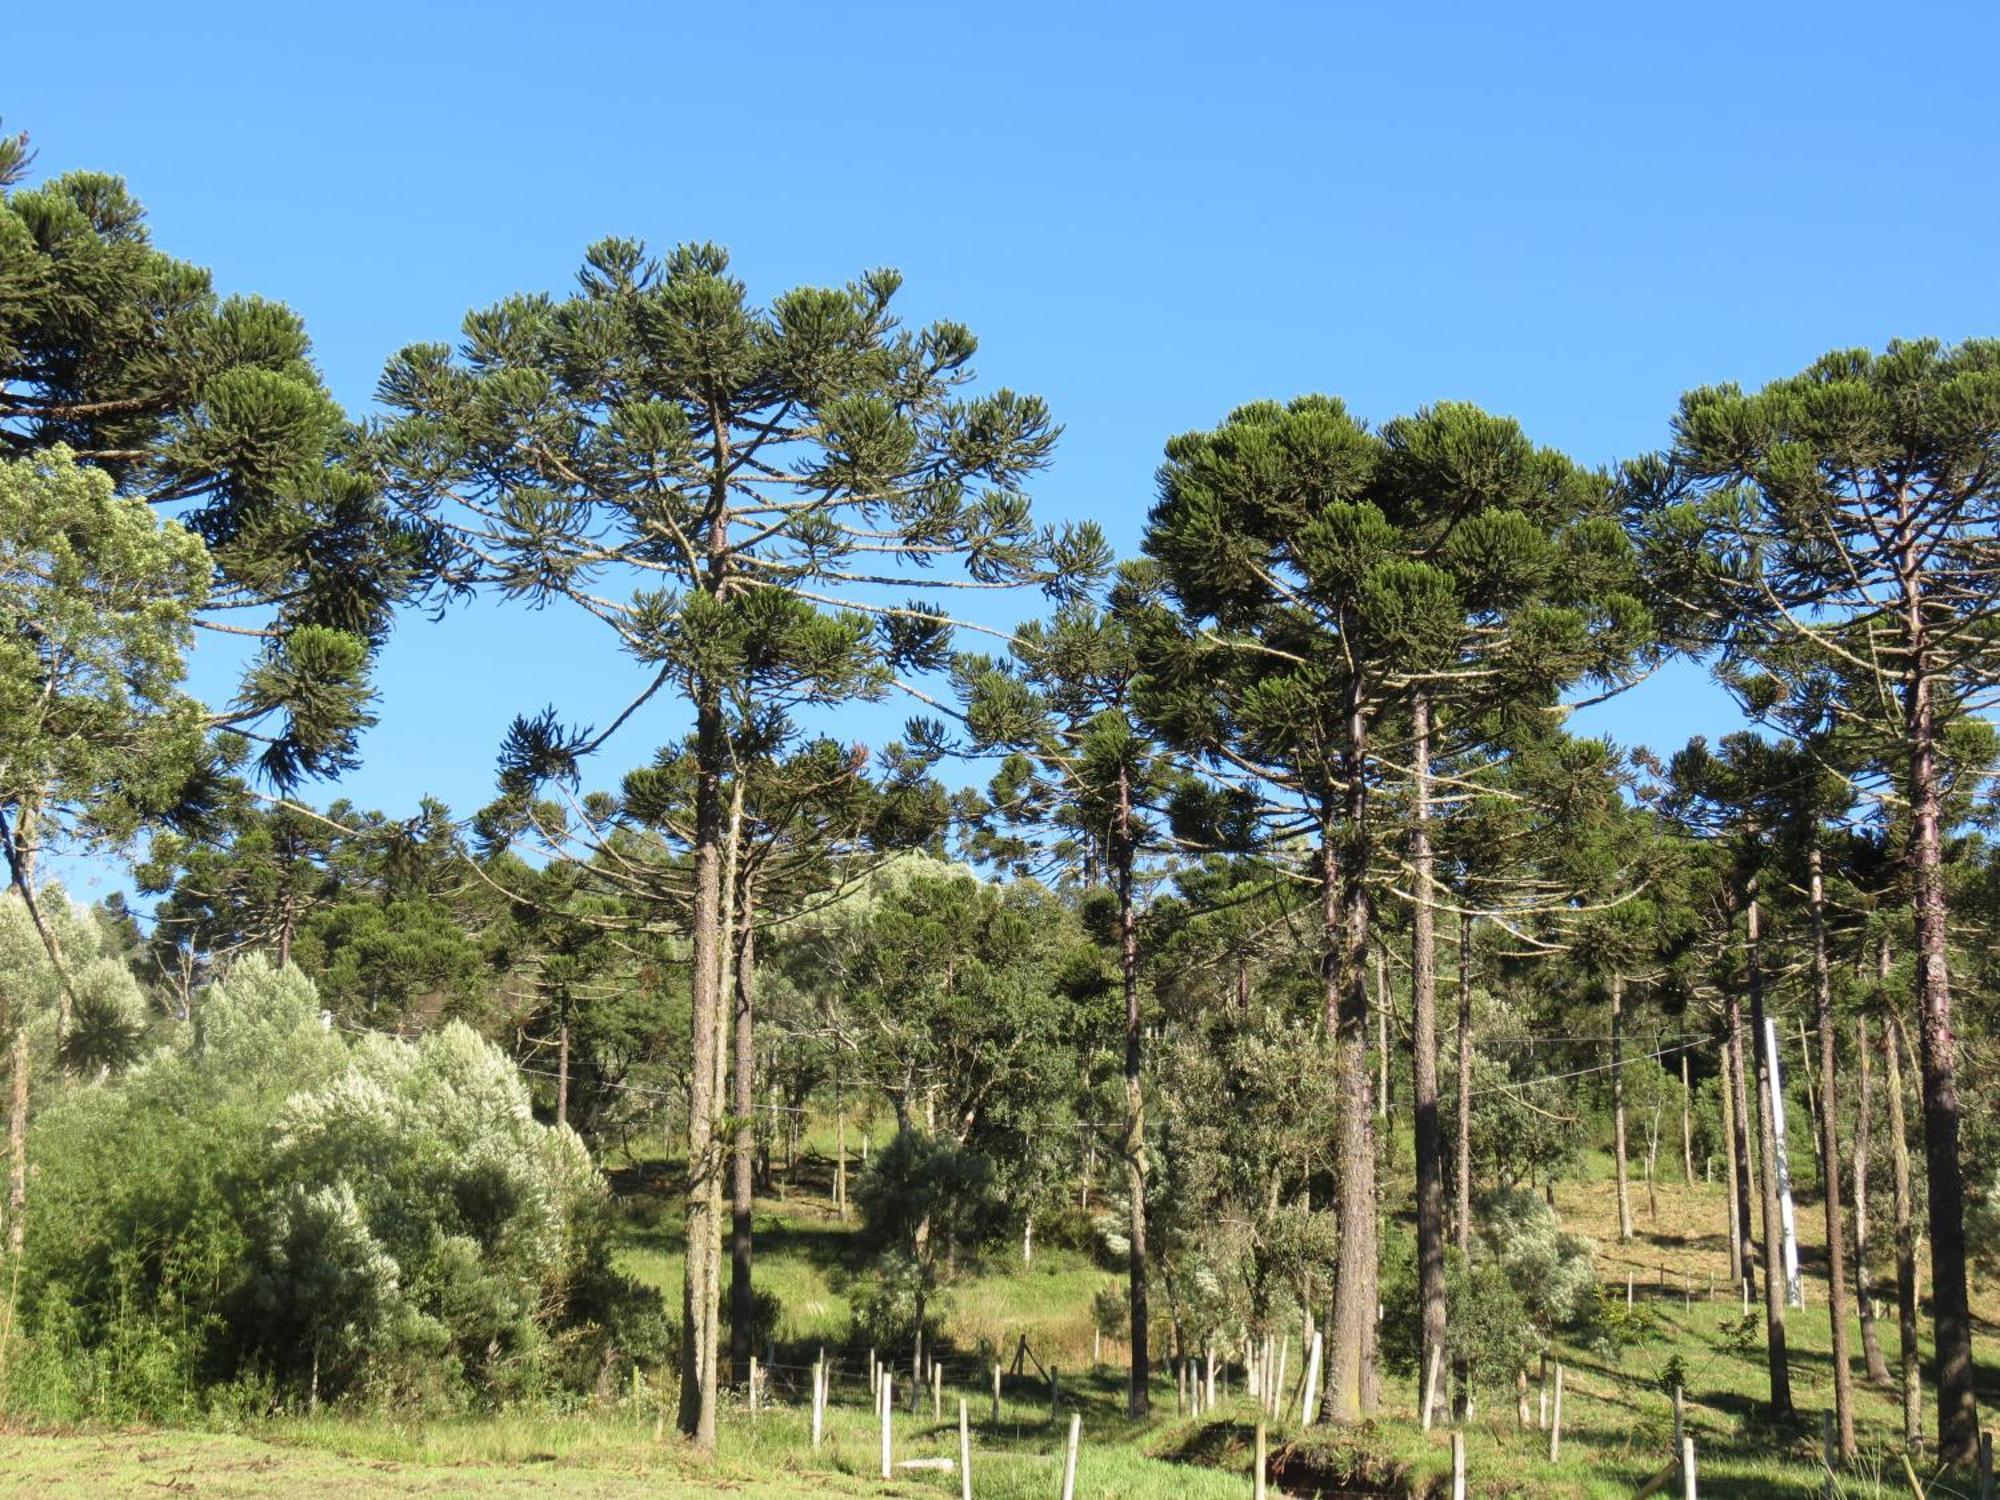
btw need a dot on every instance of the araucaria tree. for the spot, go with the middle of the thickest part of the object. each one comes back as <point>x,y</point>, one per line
<point>1849,513</point>
<point>1081,766</point>
<point>209,409</point>
<point>1347,601</point>
<point>733,492</point>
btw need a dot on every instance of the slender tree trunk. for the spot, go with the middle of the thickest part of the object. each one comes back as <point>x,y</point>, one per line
<point>1864,1300</point>
<point>1744,1258</point>
<point>1463,1228</point>
<point>743,1166</point>
<point>1424,1058</point>
<point>1767,1154</point>
<point>1906,1243</point>
<point>1618,1106</point>
<point>709,941</point>
<point>17,1150</point>
<point>21,845</point>
<point>1384,1000</point>
<point>562,1062</point>
<point>1125,853</point>
<point>840,1152</point>
<point>1351,1387</point>
<point>1951,1314</point>
<point>1687,1124</point>
<point>1829,1152</point>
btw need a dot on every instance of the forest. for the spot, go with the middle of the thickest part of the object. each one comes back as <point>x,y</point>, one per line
<point>1238,1025</point>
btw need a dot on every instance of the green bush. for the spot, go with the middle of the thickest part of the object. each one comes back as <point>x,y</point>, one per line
<point>260,1206</point>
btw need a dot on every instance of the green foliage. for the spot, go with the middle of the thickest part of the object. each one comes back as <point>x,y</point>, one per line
<point>128,360</point>
<point>258,1200</point>
<point>97,603</point>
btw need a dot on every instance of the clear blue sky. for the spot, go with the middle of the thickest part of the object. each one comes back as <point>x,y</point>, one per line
<point>1568,213</point>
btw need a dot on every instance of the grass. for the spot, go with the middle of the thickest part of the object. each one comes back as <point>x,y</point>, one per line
<point>1617,1419</point>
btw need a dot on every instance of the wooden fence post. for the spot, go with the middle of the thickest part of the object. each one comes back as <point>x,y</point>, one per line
<point>1258,1476</point>
<point>1688,1488</point>
<point>1827,1453</point>
<point>753,1388</point>
<point>1309,1405</point>
<point>1069,1459</point>
<point>1458,1463</point>
<point>964,1452</point>
<point>888,1404</point>
<point>818,1401</point>
<point>1985,1466</point>
<point>937,1391</point>
<point>1556,1418</point>
<point>996,1392</point>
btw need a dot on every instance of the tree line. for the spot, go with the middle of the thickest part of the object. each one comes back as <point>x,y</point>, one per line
<point>1153,893</point>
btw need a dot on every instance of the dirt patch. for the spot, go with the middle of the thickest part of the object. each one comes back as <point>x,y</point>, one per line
<point>1318,1464</point>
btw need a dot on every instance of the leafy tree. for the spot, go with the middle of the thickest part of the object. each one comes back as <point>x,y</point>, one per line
<point>1330,582</point>
<point>755,478</point>
<point>1847,512</point>
<point>208,407</point>
<point>97,600</point>
<point>1080,763</point>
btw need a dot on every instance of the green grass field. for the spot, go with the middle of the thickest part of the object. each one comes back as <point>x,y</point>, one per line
<point>1617,1418</point>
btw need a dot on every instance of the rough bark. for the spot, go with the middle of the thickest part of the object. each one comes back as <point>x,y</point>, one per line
<point>1864,1301</point>
<point>17,1149</point>
<point>1829,1154</point>
<point>1351,1391</point>
<point>1906,1243</point>
<point>562,1065</point>
<point>709,942</point>
<point>1125,855</point>
<point>1618,1106</point>
<point>743,1162</point>
<point>1775,1350</point>
<point>1951,1313</point>
<point>1462,1230</point>
<point>1424,1059</point>
<point>1744,1257</point>
<point>1687,1125</point>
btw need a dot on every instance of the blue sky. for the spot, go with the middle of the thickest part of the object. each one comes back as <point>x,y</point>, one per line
<point>1567,213</point>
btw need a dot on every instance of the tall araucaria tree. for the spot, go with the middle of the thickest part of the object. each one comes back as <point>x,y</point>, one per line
<point>1082,768</point>
<point>209,409</point>
<point>1849,511</point>
<point>1344,598</point>
<point>732,492</point>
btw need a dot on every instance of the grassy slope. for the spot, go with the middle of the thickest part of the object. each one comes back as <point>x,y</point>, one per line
<point>1616,1428</point>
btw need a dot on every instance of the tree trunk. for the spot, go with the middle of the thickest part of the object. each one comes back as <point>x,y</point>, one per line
<point>1618,1106</point>
<point>1383,1002</point>
<point>1462,1230</point>
<point>700,1289</point>
<point>1352,1391</point>
<point>1424,1060</point>
<point>1829,1152</point>
<point>1125,855</point>
<point>1864,1301</point>
<point>1767,1154</point>
<point>562,1065</point>
<point>1687,1124</point>
<point>17,1151</point>
<point>1951,1315</point>
<point>1906,1242</point>
<point>1744,1255</point>
<point>743,1166</point>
